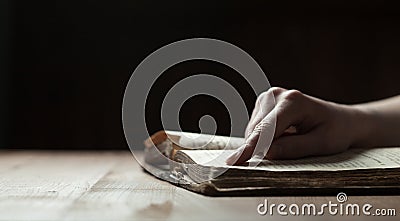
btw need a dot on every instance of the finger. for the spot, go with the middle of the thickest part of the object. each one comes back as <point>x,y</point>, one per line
<point>289,113</point>
<point>257,143</point>
<point>234,157</point>
<point>264,105</point>
<point>250,126</point>
<point>295,146</point>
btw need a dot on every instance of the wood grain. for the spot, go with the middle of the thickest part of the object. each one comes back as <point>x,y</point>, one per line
<point>111,186</point>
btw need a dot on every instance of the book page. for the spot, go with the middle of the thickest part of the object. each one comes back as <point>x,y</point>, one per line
<point>167,142</point>
<point>204,141</point>
<point>353,159</point>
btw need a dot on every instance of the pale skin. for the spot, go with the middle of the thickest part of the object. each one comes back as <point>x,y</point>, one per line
<point>308,126</point>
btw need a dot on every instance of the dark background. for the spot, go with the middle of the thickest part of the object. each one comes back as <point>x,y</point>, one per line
<point>65,64</point>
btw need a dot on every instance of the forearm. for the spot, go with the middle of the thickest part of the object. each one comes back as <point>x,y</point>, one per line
<point>378,123</point>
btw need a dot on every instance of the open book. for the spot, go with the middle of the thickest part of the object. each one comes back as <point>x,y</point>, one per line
<point>357,171</point>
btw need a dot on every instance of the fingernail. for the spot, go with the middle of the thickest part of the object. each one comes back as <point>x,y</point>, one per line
<point>232,158</point>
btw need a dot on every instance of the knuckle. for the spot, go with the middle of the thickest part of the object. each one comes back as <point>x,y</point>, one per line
<point>276,91</point>
<point>289,99</point>
<point>293,95</point>
<point>262,96</point>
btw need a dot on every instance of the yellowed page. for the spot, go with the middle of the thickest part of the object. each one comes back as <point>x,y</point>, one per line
<point>204,141</point>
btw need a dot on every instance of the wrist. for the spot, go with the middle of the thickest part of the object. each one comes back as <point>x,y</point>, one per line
<point>362,125</point>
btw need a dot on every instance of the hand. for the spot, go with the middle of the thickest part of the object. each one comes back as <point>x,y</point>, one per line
<point>305,126</point>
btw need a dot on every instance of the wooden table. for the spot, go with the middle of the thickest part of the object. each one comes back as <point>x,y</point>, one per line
<point>111,186</point>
